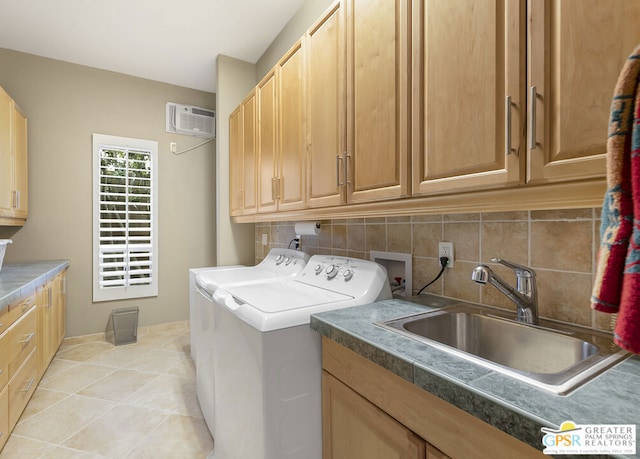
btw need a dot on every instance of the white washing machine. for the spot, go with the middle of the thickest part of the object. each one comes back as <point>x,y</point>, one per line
<point>279,263</point>
<point>267,360</point>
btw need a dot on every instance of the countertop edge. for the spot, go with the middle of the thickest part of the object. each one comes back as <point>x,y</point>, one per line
<point>20,280</point>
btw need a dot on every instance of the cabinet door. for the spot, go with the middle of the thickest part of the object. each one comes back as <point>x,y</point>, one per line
<point>352,427</point>
<point>576,51</point>
<point>249,158</point>
<point>291,128</point>
<point>236,170</point>
<point>21,190</point>
<point>267,143</point>
<point>325,107</point>
<point>377,93</point>
<point>6,165</point>
<point>468,94</point>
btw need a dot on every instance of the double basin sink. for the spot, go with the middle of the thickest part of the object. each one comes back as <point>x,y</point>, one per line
<point>552,356</point>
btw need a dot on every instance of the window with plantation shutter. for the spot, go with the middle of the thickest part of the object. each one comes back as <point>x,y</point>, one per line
<point>125,218</point>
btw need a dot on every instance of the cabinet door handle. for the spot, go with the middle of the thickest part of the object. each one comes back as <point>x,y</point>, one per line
<point>29,384</point>
<point>347,156</point>
<point>338,159</point>
<point>274,188</point>
<point>532,117</point>
<point>28,338</point>
<point>18,199</point>
<point>507,128</point>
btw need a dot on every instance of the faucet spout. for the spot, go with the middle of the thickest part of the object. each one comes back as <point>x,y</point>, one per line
<point>524,295</point>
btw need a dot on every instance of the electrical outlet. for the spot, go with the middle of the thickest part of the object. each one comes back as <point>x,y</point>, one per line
<point>264,238</point>
<point>173,147</point>
<point>445,249</point>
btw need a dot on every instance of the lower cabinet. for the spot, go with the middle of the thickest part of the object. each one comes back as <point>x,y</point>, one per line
<point>356,428</point>
<point>31,331</point>
<point>369,412</point>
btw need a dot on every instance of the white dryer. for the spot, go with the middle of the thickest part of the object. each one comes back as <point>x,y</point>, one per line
<point>267,360</point>
<point>278,264</point>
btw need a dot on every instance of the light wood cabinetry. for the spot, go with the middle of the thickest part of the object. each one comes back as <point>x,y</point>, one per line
<point>31,331</point>
<point>51,301</point>
<point>242,158</point>
<point>458,106</point>
<point>281,140</point>
<point>468,95</point>
<point>13,163</point>
<point>576,51</point>
<point>353,427</point>
<point>4,416</point>
<point>325,108</point>
<point>361,401</point>
<point>267,143</point>
<point>378,62</point>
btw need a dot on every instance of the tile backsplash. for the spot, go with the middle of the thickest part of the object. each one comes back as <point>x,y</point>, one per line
<point>561,246</point>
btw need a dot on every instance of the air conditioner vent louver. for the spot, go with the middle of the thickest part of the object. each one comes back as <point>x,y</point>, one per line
<point>189,120</point>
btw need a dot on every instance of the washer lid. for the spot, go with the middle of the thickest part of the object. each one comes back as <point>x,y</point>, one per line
<point>283,295</point>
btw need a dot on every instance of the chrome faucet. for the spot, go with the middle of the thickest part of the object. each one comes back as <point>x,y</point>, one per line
<point>525,295</point>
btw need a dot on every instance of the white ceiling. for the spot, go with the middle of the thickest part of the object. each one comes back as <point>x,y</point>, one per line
<point>173,41</point>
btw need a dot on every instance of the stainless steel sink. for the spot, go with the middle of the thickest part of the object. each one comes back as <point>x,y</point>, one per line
<point>553,356</point>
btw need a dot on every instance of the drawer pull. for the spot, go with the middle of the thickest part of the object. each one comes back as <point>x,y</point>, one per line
<point>29,384</point>
<point>27,339</point>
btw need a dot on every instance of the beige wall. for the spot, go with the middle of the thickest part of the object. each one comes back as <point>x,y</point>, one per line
<point>559,245</point>
<point>234,240</point>
<point>65,104</point>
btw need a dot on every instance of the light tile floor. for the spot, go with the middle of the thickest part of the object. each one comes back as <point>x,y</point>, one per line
<point>98,400</point>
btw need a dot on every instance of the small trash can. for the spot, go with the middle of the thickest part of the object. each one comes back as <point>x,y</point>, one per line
<point>123,326</point>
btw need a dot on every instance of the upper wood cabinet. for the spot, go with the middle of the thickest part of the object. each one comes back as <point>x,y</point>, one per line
<point>468,97</point>
<point>576,51</point>
<point>267,143</point>
<point>281,134</point>
<point>13,162</point>
<point>378,62</point>
<point>242,158</point>
<point>325,108</point>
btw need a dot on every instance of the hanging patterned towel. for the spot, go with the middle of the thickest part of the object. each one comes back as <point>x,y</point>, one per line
<point>617,283</point>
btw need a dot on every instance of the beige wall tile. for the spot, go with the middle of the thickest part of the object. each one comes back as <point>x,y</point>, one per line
<point>424,271</point>
<point>425,239</point>
<point>458,284</point>
<point>426,218</point>
<point>399,237</point>
<point>564,214</point>
<point>565,296</point>
<point>562,245</point>
<point>339,236</point>
<point>507,240</point>
<point>505,216</point>
<point>461,217</point>
<point>376,237</point>
<point>355,237</point>
<point>465,238</point>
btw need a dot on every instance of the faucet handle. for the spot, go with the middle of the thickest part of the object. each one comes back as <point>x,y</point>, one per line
<point>519,269</point>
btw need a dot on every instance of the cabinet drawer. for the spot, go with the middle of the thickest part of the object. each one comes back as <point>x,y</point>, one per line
<point>21,388</point>
<point>4,360</point>
<point>19,308</point>
<point>22,340</point>
<point>4,416</point>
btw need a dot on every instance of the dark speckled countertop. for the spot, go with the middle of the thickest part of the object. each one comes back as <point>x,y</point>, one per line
<point>514,407</point>
<point>20,280</point>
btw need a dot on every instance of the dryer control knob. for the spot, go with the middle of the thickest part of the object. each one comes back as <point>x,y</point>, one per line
<point>287,260</point>
<point>348,274</point>
<point>279,259</point>
<point>332,270</point>
<point>318,269</point>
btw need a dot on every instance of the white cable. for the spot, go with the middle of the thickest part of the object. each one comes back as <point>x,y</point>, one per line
<point>194,147</point>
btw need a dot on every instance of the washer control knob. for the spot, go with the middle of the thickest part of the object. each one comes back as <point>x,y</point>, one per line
<point>279,259</point>
<point>348,274</point>
<point>318,269</point>
<point>287,260</point>
<point>332,270</point>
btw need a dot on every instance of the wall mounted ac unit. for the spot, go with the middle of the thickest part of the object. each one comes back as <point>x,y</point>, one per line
<point>190,120</point>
